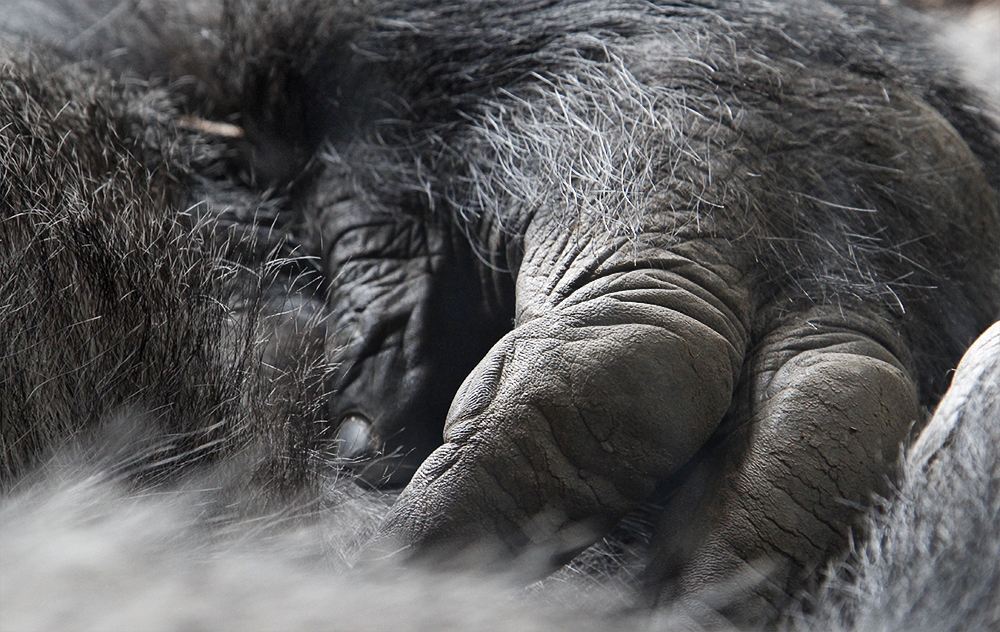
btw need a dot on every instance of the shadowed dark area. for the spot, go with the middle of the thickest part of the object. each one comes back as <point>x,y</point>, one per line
<point>642,304</point>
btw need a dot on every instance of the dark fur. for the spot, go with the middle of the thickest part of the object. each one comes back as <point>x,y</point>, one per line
<point>158,272</point>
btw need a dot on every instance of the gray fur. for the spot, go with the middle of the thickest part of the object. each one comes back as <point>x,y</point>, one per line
<point>753,230</point>
<point>77,548</point>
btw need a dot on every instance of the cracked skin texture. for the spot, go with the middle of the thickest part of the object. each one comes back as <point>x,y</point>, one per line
<point>663,358</point>
<point>684,355</point>
<point>619,376</point>
<point>660,359</point>
<point>741,243</point>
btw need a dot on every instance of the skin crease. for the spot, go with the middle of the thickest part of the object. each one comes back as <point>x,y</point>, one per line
<point>569,260</point>
<point>673,354</point>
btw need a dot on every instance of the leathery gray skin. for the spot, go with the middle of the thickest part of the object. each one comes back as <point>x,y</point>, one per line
<point>739,245</point>
<point>715,234</point>
<point>922,545</point>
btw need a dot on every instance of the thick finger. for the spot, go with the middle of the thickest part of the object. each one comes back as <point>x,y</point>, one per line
<point>828,405</point>
<point>407,324</point>
<point>575,416</point>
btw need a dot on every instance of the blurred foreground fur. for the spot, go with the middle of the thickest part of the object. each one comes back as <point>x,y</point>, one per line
<point>81,552</point>
<point>173,485</point>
